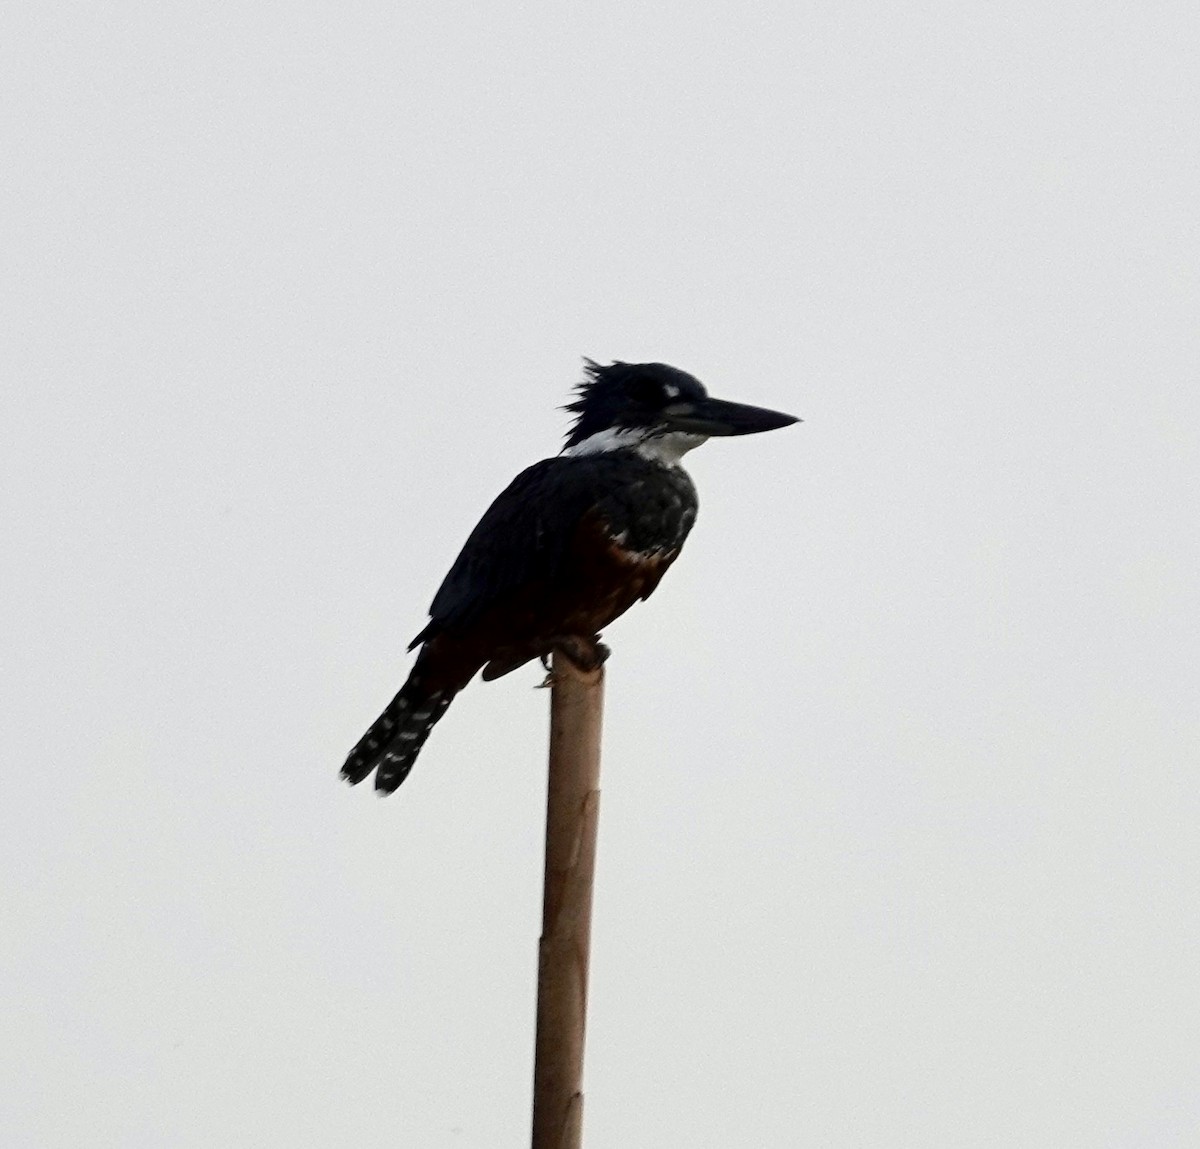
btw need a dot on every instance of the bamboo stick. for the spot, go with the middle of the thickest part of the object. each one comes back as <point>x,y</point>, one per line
<point>572,813</point>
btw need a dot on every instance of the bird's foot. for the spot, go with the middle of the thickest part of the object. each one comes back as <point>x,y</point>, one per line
<point>583,652</point>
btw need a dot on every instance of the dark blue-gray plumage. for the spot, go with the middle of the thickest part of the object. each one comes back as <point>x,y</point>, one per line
<point>568,547</point>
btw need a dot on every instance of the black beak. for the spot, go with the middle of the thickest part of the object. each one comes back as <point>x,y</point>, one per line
<point>717,417</point>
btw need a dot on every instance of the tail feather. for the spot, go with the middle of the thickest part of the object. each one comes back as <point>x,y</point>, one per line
<point>395,739</point>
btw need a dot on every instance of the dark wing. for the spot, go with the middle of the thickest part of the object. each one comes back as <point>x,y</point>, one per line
<point>523,537</point>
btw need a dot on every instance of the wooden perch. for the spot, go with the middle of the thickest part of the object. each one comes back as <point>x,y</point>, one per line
<point>572,812</point>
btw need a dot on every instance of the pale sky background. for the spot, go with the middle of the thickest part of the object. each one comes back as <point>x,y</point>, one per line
<point>900,816</point>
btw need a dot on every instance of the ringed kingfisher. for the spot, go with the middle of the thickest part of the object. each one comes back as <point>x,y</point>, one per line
<point>571,544</point>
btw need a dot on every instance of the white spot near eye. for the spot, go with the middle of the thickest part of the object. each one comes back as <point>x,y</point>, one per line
<point>671,391</point>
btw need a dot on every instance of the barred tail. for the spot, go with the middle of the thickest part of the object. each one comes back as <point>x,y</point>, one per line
<point>397,735</point>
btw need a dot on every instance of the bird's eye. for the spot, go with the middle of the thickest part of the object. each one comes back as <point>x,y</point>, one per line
<point>646,390</point>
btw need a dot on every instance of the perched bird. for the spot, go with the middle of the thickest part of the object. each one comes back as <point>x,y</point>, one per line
<point>570,545</point>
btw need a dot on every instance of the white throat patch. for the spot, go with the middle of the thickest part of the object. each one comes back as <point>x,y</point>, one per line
<point>665,449</point>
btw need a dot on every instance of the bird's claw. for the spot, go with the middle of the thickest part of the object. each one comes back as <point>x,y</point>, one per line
<point>548,681</point>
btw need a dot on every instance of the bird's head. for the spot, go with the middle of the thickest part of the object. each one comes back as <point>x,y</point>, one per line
<point>657,410</point>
